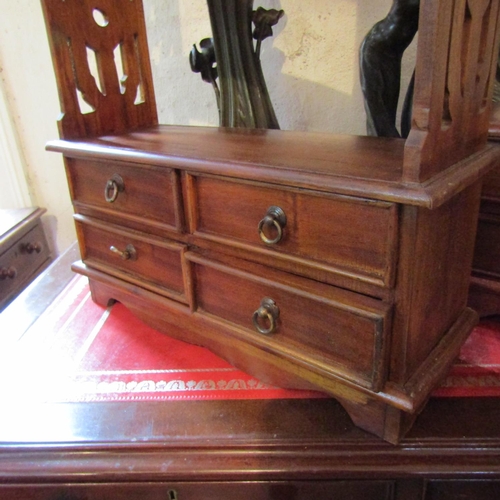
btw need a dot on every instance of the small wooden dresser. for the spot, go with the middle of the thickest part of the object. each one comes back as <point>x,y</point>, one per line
<point>335,263</point>
<point>24,252</point>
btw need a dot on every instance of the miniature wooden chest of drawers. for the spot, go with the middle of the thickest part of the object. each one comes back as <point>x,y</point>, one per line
<point>24,252</point>
<point>357,289</point>
<point>314,261</point>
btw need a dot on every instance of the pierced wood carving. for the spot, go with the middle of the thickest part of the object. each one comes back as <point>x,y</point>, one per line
<point>102,66</point>
<point>454,84</point>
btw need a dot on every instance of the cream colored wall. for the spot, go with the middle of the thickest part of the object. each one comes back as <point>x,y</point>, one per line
<point>30,88</point>
<point>310,66</point>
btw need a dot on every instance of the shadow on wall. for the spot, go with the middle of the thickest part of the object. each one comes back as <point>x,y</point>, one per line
<point>302,104</point>
<point>303,65</point>
<point>313,77</point>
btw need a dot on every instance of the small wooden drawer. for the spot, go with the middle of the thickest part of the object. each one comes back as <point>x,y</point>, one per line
<point>351,237</point>
<point>21,261</point>
<point>212,490</point>
<point>146,261</point>
<point>136,195</point>
<point>318,325</point>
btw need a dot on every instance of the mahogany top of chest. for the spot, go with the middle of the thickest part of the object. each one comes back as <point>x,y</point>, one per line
<point>371,167</point>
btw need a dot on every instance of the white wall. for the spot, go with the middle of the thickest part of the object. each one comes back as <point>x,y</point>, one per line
<point>311,68</point>
<point>14,190</point>
<point>26,71</point>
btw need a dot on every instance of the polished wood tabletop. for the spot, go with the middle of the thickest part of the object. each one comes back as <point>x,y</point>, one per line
<point>283,439</point>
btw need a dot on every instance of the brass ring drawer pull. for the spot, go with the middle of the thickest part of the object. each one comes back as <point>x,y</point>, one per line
<point>265,318</point>
<point>114,186</point>
<point>8,272</point>
<point>276,218</point>
<point>130,253</point>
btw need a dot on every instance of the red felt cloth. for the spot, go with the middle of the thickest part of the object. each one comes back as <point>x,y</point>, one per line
<point>79,351</point>
<point>477,370</point>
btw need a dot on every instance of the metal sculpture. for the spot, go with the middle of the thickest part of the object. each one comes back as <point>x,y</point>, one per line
<point>380,68</point>
<point>230,56</point>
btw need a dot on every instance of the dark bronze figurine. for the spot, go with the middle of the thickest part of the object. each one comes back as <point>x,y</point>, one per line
<point>380,68</point>
<point>203,62</point>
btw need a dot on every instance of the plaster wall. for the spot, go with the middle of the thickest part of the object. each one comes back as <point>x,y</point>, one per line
<point>311,68</point>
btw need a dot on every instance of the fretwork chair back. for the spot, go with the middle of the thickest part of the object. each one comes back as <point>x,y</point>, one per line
<point>102,66</point>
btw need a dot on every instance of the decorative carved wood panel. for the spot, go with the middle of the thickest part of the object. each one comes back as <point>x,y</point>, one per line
<point>453,84</point>
<point>101,61</point>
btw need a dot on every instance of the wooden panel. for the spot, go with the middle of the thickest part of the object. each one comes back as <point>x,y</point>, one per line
<point>158,264</point>
<point>434,274</point>
<point>332,232</point>
<point>343,332</point>
<point>487,251</point>
<point>149,196</point>
<point>101,61</point>
<point>455,70</point>
<point>256,490</point>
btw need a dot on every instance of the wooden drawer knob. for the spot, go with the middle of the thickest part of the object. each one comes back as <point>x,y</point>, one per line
<point>114,186</point>
<point>130,253</point>
<point>275,221</point>
<point>7,272</point>
<point>33,247</point>
<point>265,318</point>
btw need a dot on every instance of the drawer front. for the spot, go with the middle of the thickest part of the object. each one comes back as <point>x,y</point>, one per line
<point>21,260</point>
<point>146,261</point>
<point>339,234</point>
<point>214,490</point>
<point>145,194</point>
<point>341,331</point>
